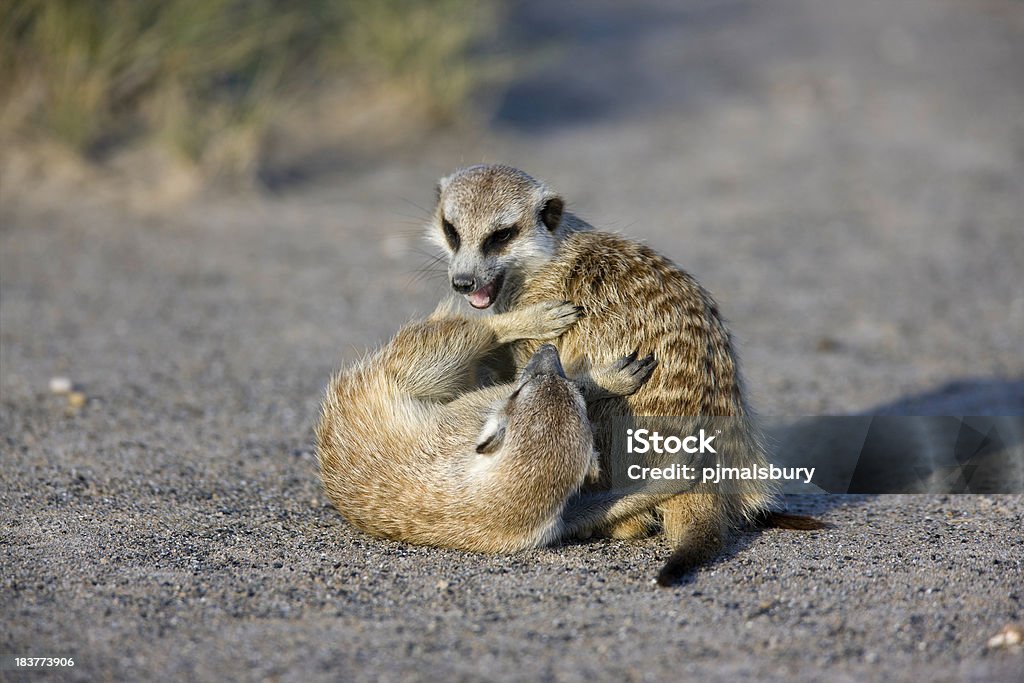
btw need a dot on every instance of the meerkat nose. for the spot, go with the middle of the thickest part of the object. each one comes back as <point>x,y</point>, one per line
<point>544,361</point>
<point>463,284</point>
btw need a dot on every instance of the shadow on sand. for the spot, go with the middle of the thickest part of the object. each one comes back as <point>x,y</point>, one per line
<point>964,437</point>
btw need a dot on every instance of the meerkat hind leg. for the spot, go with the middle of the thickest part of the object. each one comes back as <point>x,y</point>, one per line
<point>637,526</point>
<point>596,512</point>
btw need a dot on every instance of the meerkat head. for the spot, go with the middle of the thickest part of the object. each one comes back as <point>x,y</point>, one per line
<point>497,225</point>
<point>544,405</point>
<point>541,388</point>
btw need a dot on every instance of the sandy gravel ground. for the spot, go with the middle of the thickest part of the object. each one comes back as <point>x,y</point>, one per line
<point>848,180</point>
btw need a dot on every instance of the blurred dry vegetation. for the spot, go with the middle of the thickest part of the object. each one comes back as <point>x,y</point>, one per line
<point>208,80</point>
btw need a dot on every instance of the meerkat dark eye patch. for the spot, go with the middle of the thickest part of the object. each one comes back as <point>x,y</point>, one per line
<point>499,238</point>
<point>450,234</point>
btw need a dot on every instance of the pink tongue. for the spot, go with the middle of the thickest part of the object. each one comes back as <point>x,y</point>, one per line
<point>481,298</point>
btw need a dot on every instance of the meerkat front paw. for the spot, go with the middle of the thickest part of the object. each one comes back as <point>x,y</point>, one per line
<point>543,321</point>
<point>625,376</point>
<point>552,318</point>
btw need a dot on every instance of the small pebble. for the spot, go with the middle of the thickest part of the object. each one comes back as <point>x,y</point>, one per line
<point>60,385</point>
<point>76,399</point>
<point>827,345</point>
<point>1011,637</point>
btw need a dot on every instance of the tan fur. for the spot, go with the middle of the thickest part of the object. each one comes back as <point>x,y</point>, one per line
<point>632,297</point>
<point>409,449</point>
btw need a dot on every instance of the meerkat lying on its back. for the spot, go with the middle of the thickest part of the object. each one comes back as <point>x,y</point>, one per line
<point>510,245</point>
<point>409,450</point>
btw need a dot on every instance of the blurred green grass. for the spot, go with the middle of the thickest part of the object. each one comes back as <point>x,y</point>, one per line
<point>208,78</point>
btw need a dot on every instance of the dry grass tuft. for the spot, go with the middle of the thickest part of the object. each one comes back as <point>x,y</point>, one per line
<point>207,78</point>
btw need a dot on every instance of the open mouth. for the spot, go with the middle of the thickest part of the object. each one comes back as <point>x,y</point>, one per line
<point>486,295</point>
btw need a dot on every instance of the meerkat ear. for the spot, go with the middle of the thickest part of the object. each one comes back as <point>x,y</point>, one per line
<point>442,184</point>
<point>493,434</point>
<point>551,212</point>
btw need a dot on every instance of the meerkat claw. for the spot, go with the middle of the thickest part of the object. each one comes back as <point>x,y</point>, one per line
<point>626,361</point>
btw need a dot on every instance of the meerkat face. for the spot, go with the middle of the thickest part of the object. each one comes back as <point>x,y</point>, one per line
<point>496,224</point>
<point>543,400</point>
<point>545,410</point>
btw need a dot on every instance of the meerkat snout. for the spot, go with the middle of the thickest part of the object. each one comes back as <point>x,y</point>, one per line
<point>545,361</point>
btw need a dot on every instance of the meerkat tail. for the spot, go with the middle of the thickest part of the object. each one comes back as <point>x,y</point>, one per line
<point>679,563</point>
<point>693,552</point>
<point>694,523</point>
<point>685,558</point>
<point>784,520</point>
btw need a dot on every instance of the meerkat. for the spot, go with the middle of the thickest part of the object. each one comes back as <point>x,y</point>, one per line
<point>409,450</point>
<point>510,244</point>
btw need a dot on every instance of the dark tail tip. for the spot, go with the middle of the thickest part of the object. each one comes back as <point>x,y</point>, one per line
<point>681,562</point>
<point>669,574</point>
<point>785,520</point>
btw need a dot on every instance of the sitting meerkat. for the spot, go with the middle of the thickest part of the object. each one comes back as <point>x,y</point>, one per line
<point>511,244</point>
<point>410,450</point>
